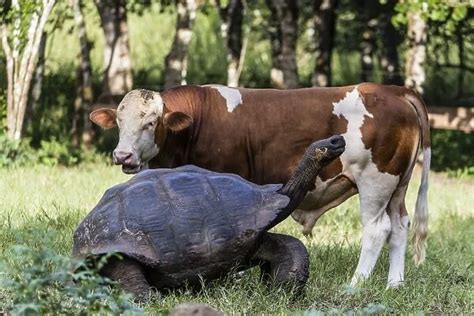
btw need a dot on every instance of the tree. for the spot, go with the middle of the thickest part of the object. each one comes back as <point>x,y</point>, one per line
<point>415,15</point>
<point>283,31</point>
<point>232,17</point>
<point>81,126</point>
<point>118,66</point>
<point>416,54</point>
<point>176,60</point>
<point>324,33</point>
<point>37,82</point>
<point>22,29</point>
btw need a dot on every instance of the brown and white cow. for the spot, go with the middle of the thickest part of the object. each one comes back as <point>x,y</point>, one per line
<point>261,134</point>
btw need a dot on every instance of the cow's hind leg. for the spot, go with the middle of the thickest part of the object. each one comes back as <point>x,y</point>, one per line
<point>375,192</point>
<point>283,260</point>
<point>398,236</point>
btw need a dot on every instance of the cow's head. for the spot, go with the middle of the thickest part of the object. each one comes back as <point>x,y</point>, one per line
<point>138,117</point>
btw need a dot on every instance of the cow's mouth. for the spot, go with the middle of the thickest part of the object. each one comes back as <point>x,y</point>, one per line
<point>131,169</point>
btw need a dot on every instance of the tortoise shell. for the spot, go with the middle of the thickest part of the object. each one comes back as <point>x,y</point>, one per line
<point>183,221</point>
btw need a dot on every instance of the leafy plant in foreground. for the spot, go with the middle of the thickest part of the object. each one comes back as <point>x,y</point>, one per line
<point>41,282</point>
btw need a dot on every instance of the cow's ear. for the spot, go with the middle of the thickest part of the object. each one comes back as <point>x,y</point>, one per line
<point>105,117</point>
<point>177,121</point>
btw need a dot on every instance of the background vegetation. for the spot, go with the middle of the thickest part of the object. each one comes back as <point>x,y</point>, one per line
<point>49,127</point>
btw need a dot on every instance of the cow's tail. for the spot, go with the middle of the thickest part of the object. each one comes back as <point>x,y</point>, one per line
<point>421,209</point>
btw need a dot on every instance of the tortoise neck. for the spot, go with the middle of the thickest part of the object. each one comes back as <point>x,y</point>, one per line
<point>301,182</point>
<point>296,188</point>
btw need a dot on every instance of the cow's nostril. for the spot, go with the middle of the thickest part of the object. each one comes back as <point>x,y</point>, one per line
<point>121,157</point>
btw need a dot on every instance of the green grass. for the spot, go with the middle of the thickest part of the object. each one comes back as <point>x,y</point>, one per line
<point>41,206</point>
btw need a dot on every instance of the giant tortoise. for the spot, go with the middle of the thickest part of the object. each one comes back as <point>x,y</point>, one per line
<point>176,227</point>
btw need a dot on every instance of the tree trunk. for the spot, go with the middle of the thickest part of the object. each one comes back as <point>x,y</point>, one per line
<point>176,61</point>
<point>462,63</point>
<point>390,40</point>
<point>416,53</point>
<point>324,27</point>
<point>283,30</point>
<point>232,17</point>
<point>82,131</point>
<point>368,43</point>
<point>37,82</point>
<point>21,63</point>
<point>118,72</point>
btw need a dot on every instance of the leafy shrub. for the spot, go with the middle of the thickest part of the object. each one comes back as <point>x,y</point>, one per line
<point>38,282</point>
<point>53,153</point>
<point>50,153</point>
<point>14,152</point>
<point>453,151</point>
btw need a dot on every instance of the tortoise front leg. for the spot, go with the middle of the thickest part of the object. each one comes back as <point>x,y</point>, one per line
<point>130,275</point>
<point>283,259</point>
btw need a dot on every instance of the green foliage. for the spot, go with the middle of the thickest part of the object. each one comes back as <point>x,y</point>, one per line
<point>19,18</point>
<point>449,13</point>
<point>50,125</point>
<point>54,153</point>
<point>453,151</point>
<point>14,152</point>
<point>41,281</point>
<point>3,110</point>
<point>203,66</point>
<point>50,153</point>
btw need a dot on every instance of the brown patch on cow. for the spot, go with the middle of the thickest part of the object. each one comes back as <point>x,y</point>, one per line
<point>281,128</point>
<point>146,94</point>
<point>331,170</point>
<point>392,133</point>
<point>142,114</point>
<point>371,100</point>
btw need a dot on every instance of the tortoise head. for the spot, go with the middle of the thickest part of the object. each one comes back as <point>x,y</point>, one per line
<point>324,151</point>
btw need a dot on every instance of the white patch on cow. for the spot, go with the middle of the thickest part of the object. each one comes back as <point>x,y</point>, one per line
<point>232,96</point>
<point>375,187</point>
<point>156,104</point>
<point>353,110</point>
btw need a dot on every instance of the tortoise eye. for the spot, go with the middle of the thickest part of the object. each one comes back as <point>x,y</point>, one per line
<point>322,150</point>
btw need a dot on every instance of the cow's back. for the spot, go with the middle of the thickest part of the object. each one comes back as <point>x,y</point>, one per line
<point>261,134</point>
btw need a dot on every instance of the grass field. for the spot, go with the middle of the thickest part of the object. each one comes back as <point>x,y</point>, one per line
<point>40,206</point>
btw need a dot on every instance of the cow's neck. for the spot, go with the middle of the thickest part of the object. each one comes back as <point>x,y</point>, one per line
<point>176,148</point>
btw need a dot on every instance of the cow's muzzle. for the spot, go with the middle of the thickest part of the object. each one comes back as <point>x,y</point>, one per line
<point>128,161</point>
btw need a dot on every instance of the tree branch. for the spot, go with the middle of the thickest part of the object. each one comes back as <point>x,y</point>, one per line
<point>6,47</point>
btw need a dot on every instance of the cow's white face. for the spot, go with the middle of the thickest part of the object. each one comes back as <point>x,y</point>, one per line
<point>137,117</point>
